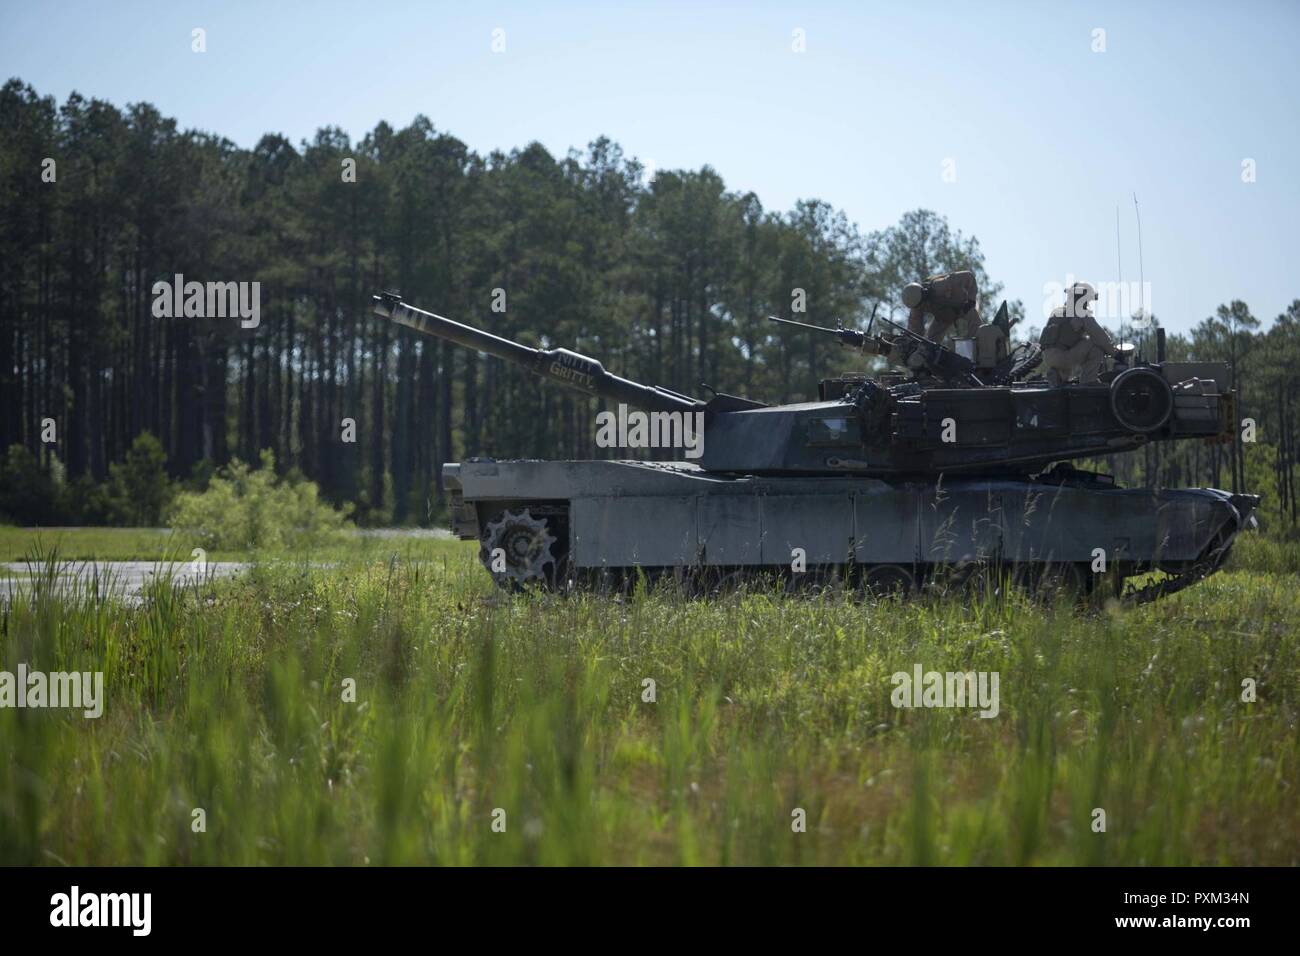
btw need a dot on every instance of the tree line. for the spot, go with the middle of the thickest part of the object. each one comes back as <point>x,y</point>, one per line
<point>666,279</point>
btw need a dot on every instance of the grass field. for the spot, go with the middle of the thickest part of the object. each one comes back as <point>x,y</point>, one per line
<point>162,544</point>
<point>104,544</point>
<point>469,702</point>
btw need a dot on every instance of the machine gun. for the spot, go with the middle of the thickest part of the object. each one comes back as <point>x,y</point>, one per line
<point>905,348</point>
<point>944,364</point>
<point>567,368</point>
<point>848,338</point>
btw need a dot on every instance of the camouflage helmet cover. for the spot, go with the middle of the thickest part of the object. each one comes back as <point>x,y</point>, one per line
<point>1080,295</point>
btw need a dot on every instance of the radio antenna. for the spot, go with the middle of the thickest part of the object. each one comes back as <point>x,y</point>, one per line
<point>1119,269</point>
<point>1141,271</point>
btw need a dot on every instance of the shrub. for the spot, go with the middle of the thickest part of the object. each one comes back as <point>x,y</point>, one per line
<point>138,487</point>
<point>245,508</point>
<point>27,491</point>
<point>84,501</point>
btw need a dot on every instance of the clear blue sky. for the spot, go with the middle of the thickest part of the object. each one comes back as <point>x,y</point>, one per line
<point>1047,136</point>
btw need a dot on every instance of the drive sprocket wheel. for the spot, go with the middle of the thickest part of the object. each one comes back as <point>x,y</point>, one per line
<point>519,550</point>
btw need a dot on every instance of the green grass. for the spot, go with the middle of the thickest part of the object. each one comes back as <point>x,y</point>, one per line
<point>1257,552</point>
<point>470,700</point>
<point>80,544</point>
<point>162,544</point>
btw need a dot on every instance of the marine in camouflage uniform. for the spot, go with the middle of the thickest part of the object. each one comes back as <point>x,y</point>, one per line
<point>951,300</point>
<point>1073,342</point>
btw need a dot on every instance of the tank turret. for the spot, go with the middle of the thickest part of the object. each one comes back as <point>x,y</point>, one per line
<point>942,419</point>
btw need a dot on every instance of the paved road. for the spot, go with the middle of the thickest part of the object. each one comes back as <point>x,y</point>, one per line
<point>395,533</point>
<point>126,578</point>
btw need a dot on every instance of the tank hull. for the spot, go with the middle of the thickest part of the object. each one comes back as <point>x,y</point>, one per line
<point>617,516</point>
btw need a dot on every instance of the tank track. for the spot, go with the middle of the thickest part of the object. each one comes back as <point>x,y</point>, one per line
<point>711,580</point>
<point>1144,594</point>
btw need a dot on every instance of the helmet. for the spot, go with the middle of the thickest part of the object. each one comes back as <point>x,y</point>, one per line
<point>1079,297</point>
<point>913,293</point>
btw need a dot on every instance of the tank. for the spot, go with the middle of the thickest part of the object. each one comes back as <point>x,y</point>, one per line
<point>950,474</point>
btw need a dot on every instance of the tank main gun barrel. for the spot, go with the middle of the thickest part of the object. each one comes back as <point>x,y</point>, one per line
<point>567,368</point>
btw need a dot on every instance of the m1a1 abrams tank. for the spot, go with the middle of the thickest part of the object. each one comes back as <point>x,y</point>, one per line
<point>946,474</point>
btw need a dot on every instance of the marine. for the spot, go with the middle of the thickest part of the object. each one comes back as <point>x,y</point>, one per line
<point>1073,342</point>
<point>951,300</point>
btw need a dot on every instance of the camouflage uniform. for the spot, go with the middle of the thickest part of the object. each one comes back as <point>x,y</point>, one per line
<point>1073,342</point>
<point>949,299</point>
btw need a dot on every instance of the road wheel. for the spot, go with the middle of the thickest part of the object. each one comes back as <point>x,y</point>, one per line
<point>888,580</point>
<point>1050,581</point>
<point>977,580</point>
